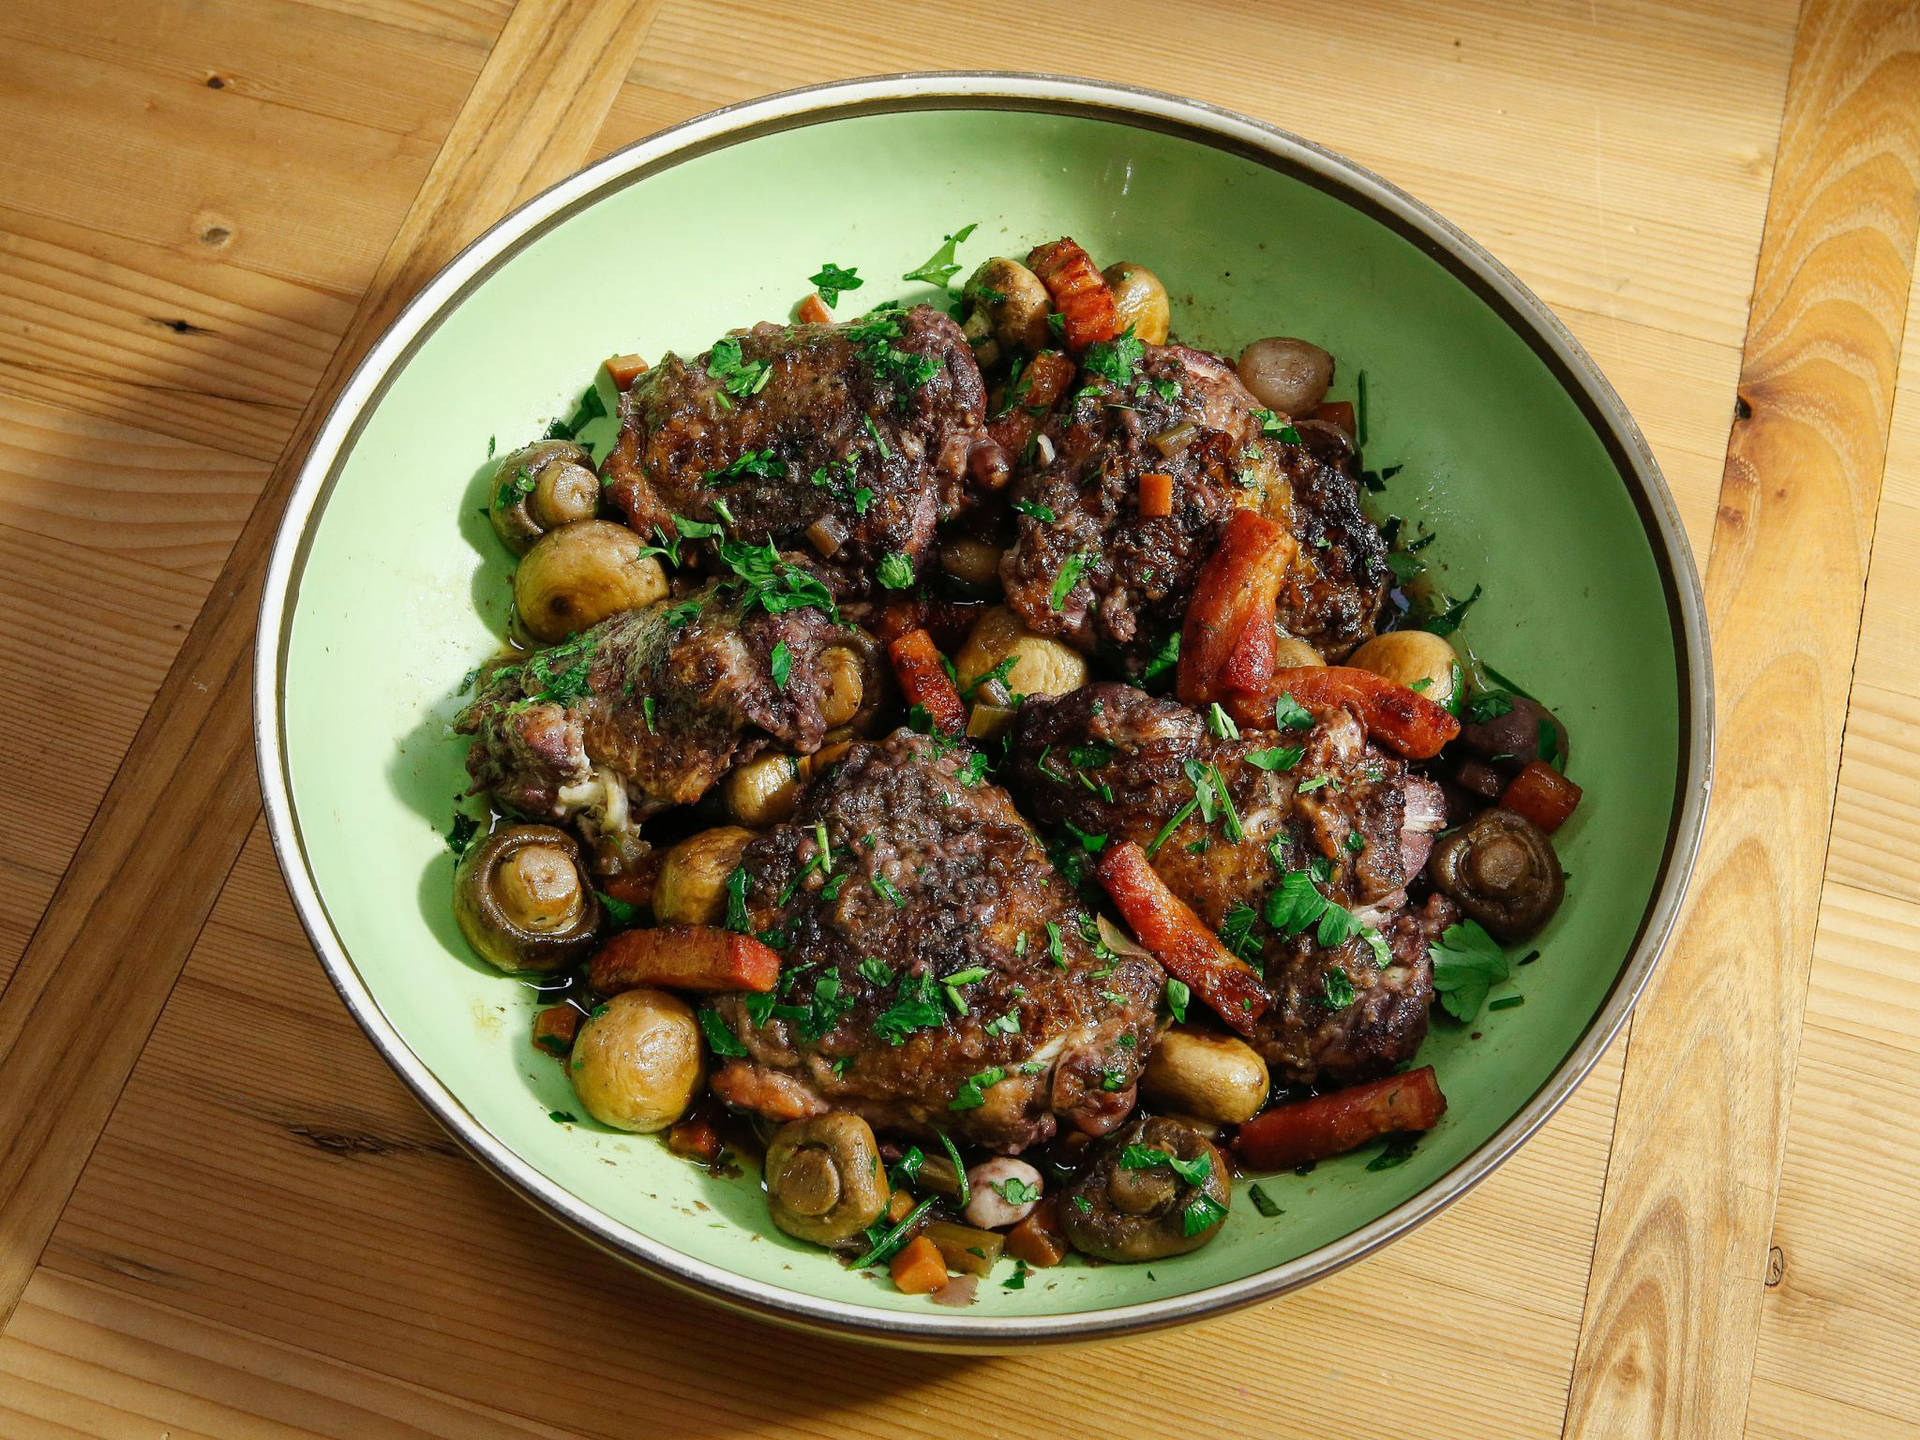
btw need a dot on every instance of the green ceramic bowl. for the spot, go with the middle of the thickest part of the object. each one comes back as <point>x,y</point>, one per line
<point>386,586</point>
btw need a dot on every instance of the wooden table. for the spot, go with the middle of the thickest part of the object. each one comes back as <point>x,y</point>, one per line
<point>220,1215</point>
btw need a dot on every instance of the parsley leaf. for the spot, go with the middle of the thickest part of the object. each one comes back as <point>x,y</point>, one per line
<point>1263,1202</point>
<point>1488,705</point>
<point>1016,1191</point>
<point>737,920</point>
<point>1236,931</point>
<point>1220,724</point>
<point>832,282</point>
<point>1467,962</point>
<point>1069,576</point>
<point>972,1092</point>
<point>1279,757</point>
<point>875,972</point>
<point>780,665</point>
<point>1336,989</point>
<point>1044,514</point>
<point>1178,994</point>
<point>1113,360</point>
<point>1203,1212</point>
<point>1448,620</point>
<point>895,571</point>
<point>940,267</point>
<point>720,1037</point>
<point>465,827</point>
<point>916,1006</point>
<point>618,911</point>
<point>738,377</point>
<point>1272,424</point>
<point>1290,714</point>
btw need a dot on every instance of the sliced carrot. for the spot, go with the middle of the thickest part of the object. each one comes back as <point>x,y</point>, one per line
<point>1183,945</point>
<point>1327,1125</point>
<point>1040,1239</point>
<point>636,887</point>
<point>1035,392</point>
<point>899,1205</point>
<point>623,370</point>
<point>1340,413</point>
<point>1078,293</point>
<point>555,1027</point>
<point>1394,715</point>
<point>924,681</point>
<point>919,1268</point>
<point>684,957</point>
<point>813,311</point>
<point>694,1138</point>
<point>1541,794</point>
<point>1156,495</point>
<point>1230,616</point>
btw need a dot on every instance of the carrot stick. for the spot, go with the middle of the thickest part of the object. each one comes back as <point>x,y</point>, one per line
<point>694,1138</point>
<point>1339,413</point>
<point>1037,391</point>
<point>1541,794</point>
<point>1156,495</point>
<point>919,1268</point>
<point>922,672</point>
<point>684,957</point>
<point>1230,617</point>
<point>1040,1239</point>
<point>1399,718</point>
<point>1079,294</point>
<point>1309,1130</point>
<point>1188,950</point>
<point>813,311</point>
<point>555,1027</point>
<point>623,370</point>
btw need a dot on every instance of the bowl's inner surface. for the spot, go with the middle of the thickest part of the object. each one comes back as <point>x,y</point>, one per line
<point>404,589</point>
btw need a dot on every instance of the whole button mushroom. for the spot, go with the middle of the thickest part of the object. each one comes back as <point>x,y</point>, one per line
<point>541,487</point>
<point>825,1182</point>
<point>1154,1188</point>
<point>522,899</point>
<point>1502,871</point>
<point>1001,1192</point>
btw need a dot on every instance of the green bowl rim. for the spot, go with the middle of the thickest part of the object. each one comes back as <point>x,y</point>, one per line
<point>1206,124</point>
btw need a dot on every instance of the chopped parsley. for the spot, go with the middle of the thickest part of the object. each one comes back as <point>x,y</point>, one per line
<point>1290,714</point>
<point>1178,994</point>
<point>738,377</point>
<point>890,364</point>
<point>1488,705</point>
<point>1448,620</point>
<point>940,267</point>
<point>884,888</point>
<point>720,1037</point>
<point>774,584</point>
<point>1467,963</point>
<point>1017,1280</point>
<point>779,665</point>
<point>1196,1171</point>
<point>1068,577</point>
<point>1263,1202</point>
<point>1029,508</point>
<point>465,827</point>
<point>618,911</point>
<point>896,571</point>
<point>916,1006</point>
<point>1002,673</point>
<point>829,1004</point>
<point>1271,424</point>
<point>563,1117</point>
<point>1203,1212</point>
<point>1506,1002</point>
<point>1113,360</point>
<point>1236,931</point>
<point>1277,757</point>
<point>763,464</point>
<point>831,282</point>
<point>1318,782</point>
<point>737,920</point>
<point>1336,989</point>
<point>972,1093</point>
<point>1397,1151</point>
<point>1056,947</point>
<point>1220,724</point>
<point>1164,659</point>
<point>1016,1191</point>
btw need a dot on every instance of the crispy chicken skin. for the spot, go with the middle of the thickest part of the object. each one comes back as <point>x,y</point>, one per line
<point>933,875</point>
<point>1112,760</point>
<point>849,442</point>
<point>1088,568</point>
<point>570,734</point>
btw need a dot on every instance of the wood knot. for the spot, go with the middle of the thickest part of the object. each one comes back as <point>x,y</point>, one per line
<point>1776,1265</point>
<point>216,82</point>
<point>1741,409</point>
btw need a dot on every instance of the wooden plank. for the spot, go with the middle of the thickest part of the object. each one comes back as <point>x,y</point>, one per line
<point>82,1360</point>
<point>107,951</point>
<point>1640,230</point>
<point>263,1170</point>
<point>1680,1258</point>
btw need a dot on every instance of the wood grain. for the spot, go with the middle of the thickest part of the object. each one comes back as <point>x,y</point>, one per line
<point>109,947</point>
<point>1680,1259</point>
<point>271,1238</point>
